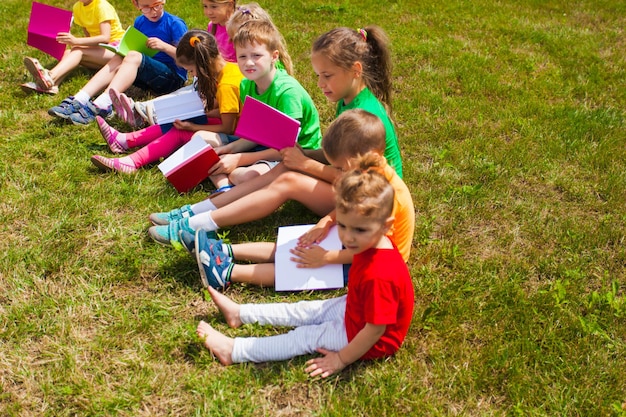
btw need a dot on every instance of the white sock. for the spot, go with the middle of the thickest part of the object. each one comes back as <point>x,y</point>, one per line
<point>103,101</point>
<point>202,206</point>
<point>82,97</point>
<point>203,221</point>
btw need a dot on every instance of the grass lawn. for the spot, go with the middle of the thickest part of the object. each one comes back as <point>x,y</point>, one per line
<point>511,118</point>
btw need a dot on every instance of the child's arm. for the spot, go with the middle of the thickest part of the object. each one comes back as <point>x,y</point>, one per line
<point>296,160</point>
<point>227,126</point>
<point>158,44</point>
<point>318,232</point>
<point>234,155</point>
<point>308,253</point>
<point>104,36</point>
<point>229,161</point>
<point>333,362</point>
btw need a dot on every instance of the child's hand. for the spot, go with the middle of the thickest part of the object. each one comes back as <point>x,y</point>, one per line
<point>325,366</point>
<point>156,43</point>
<point>293,158</point>
<point>66,38</point>
<point>313,256</point>
<point>225,165</point>
<point>314,235</point>
<point>184,125</point>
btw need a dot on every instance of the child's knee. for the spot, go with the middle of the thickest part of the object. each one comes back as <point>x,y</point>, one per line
<point>241,175</point>
<point>133,58</point>
<point>210,138</point>
<point>288,179</point>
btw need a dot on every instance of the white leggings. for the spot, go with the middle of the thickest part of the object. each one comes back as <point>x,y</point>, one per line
<point>319,324</point>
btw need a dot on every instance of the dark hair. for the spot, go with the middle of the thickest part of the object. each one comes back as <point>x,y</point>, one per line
<point>198,47</point>
<point>369,46</point>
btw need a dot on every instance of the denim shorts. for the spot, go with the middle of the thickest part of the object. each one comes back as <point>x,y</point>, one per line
<point>226,139</point>
<point>156,76</point>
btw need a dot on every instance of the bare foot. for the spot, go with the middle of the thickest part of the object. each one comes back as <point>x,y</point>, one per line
<point>220,345</point>
<point>228,307</point>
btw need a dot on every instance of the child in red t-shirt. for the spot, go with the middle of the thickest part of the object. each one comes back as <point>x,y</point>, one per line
<point>370,322</point>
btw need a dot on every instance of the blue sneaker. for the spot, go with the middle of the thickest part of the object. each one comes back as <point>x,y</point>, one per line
<point>167,217</point>
<point>67,107</point>
<point>188,240</point>
<point>170,234</point>
<point>88,112</point>
<point>215,266</point>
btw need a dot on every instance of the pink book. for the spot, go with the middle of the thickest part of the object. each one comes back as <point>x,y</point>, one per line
<point>45,22</point>
<point>189,165</point>
<point>266,126</point>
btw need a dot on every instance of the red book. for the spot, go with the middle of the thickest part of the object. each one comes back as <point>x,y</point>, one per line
<point>266,125</point>
<point>45,22</point>
<point>189,165</point>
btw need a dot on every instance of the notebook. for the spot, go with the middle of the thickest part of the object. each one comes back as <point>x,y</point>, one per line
<point>288,277</point>
<point>189,165</point>
<point>266,126</point>
<point>133,40</point>
<point>45,22</point>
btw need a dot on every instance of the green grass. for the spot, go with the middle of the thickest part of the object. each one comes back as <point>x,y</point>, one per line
<point>513,132</point>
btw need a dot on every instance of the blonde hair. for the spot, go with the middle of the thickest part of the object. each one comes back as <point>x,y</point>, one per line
<point>369,46</point>
<point>245,13</point>
<point>355,132</point>
<point>365,189</point>
<point>264,32</point>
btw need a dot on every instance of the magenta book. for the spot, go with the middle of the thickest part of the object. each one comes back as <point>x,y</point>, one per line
<point>45,22</point>
<point>266,126</point>
<point>189,165</point>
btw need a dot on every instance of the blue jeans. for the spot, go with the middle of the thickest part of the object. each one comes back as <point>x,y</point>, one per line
<point>156,76</point>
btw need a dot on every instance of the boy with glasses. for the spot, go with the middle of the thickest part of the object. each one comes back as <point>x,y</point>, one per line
<point>160,74</point>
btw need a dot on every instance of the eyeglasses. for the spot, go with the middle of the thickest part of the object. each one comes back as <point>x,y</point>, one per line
<point>157,7</point>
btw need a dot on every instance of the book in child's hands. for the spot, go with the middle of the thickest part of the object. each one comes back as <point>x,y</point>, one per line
<point>266,125</point>
<point>189,165</point>
<point>183,106</point>
<point>288,277</point>
<point>133,40</point>
<point>44,25</point>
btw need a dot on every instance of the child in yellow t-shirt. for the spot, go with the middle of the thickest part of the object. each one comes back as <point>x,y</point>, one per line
<point>100,24</point>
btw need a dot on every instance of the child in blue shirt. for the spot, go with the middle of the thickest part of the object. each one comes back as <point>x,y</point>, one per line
<point>158,74</point>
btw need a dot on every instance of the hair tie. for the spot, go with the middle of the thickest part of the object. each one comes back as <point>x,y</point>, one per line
<point>193,41</point>
<point>245,10</point>
<point>363,34</point>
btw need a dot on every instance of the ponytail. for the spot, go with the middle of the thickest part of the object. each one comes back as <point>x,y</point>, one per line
<point>199,48</point>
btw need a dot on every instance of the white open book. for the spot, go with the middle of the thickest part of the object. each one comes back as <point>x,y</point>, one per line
<point>288,277</point>
<point>183,106</point>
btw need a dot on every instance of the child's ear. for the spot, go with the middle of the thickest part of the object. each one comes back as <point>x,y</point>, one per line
<point>389,223</point>
<point>357,67</point>
<point>275,56</point>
